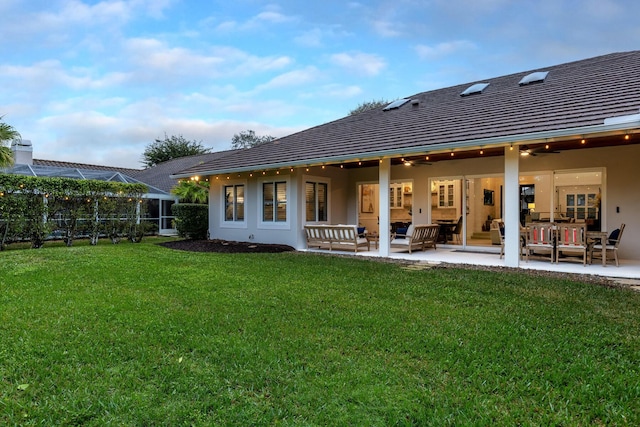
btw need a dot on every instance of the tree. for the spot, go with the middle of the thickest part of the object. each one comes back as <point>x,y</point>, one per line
<point>248,139</point>
<point>369,105</point>
<point>7,134</point>
<point>171,148</point>
<point>192,191</point>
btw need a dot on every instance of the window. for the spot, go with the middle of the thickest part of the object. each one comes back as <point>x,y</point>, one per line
<point>316,195</point>
<point>445,195</point>
<point>475,89</point>
<point>396,104</point>
<point>274,201</point>
<point>536,77</point>
<point>234,202</point>
<point>395,196</point>
<point>582,206</point>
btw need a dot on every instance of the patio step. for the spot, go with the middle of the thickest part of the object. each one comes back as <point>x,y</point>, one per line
<point>481,235</point>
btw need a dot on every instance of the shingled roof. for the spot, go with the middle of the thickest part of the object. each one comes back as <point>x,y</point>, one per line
<point>574,96</point>
<point>160,174</point>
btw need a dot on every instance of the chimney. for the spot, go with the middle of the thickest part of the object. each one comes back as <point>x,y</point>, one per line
<point>22,152</point>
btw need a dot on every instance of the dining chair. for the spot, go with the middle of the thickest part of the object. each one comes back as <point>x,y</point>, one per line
<point>611,246</point>
<point>571,238</point>
<point>540,238</point>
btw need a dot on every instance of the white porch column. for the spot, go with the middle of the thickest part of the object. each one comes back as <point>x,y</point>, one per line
<point>384,180</point>
<point>511,207</point>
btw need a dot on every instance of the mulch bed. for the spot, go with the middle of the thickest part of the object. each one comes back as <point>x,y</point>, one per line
<point>224,246</point>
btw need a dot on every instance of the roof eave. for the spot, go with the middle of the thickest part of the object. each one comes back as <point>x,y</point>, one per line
<point>516,139</point>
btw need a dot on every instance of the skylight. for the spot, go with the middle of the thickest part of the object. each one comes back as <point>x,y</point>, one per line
<point>536,77</point>
<point>474,89</point>
<point>396,104</point>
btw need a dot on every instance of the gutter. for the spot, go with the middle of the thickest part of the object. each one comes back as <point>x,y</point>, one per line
<point>611,126</point>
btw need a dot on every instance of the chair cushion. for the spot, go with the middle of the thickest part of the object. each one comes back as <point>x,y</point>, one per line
<point>401,232</point>
<point>400,241</point>
<point>614,236</point>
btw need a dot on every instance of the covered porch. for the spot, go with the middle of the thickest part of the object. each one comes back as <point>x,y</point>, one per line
<point>470,192</point>
<point>629,269</point>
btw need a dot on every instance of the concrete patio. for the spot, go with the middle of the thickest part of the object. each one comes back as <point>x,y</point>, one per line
<point>628,272</point>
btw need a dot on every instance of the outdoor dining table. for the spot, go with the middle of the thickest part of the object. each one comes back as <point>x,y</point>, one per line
<point>446,229</point>
<point>591,237</point>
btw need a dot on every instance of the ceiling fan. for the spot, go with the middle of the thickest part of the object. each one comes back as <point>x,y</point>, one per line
<point>525,150</point>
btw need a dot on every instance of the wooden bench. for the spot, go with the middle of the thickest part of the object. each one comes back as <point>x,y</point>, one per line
<point>418,237</point>
<point>341,237</point>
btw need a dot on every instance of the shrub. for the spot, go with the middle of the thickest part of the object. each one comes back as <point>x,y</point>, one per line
<point>192,220</point>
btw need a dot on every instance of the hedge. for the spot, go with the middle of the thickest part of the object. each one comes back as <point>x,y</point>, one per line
<point>38,208</point>
<point>192,220</point>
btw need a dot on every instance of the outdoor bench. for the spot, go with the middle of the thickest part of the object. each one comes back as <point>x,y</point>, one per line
<point>418,237</point>
<point>341,237</point>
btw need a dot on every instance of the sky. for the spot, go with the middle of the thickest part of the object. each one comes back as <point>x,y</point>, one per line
<point>98,81</point>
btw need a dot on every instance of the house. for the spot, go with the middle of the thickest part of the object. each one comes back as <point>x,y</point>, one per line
<point>158,200</point>
<point>555,143</point>
<point>159,177</point>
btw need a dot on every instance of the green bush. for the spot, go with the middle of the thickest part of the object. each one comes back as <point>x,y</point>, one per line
<point>38,208</point>
<point>192,220</point>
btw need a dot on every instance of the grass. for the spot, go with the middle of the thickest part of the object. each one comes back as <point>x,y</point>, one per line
<point>137,334</point>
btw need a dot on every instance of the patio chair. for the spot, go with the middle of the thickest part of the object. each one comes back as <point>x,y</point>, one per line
<point>417,237</point>
<point>611,246</point>
<point>457,232</point>
<point>571,238</point>
<point>540,238</point>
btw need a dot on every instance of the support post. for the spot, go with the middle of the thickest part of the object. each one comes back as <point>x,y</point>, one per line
<point>511,207</point>
<point>384,180</point>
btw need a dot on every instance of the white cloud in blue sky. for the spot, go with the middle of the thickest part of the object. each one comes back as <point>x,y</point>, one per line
<point>97,81</point>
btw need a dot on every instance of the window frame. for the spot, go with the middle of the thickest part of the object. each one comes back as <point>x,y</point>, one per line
<point>235,223</point>
<point>316,180</point>
<point>274,224</point>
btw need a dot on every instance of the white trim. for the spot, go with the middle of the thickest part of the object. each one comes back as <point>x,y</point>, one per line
<point>318,180</point>
<point>274,225</point>
<point>224,224</point>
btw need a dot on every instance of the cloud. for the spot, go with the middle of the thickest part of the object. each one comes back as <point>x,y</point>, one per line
<point>51,73</point>
<point>155,60</point>
<point>270,16</point>
<point>340,91</point>
<point>360,63</point>
<point>443,49</point>
<point>386,28</point>
<point>56,22</point>
<point>292,78</point>
<point>94,138</point>
<point>310,38</point>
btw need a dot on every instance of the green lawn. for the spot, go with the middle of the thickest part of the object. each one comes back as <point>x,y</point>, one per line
<point>137,334</point>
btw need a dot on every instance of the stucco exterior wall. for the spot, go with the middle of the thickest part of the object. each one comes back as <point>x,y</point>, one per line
<point>621,195</point>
